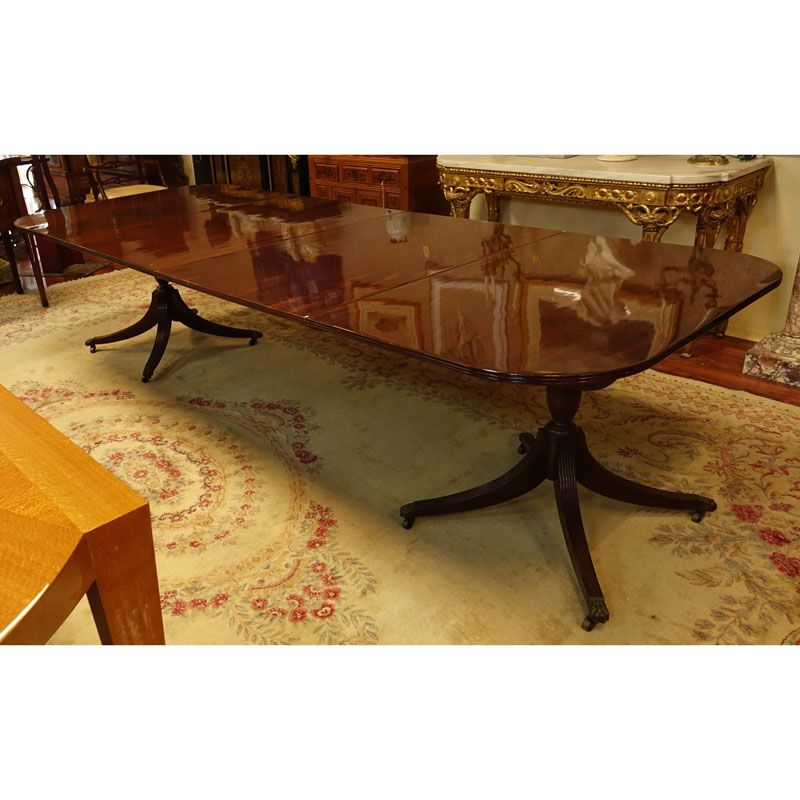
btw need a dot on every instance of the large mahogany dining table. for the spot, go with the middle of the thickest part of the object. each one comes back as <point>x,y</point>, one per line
<point>531,306</point>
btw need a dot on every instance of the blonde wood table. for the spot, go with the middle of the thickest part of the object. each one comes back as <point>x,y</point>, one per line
<point>68,527</point>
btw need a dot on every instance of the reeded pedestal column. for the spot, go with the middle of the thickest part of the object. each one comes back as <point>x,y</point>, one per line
<point>777,356</point>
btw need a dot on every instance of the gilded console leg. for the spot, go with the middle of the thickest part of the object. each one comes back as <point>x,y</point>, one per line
<point>492,206</point>
<point>459,197</point>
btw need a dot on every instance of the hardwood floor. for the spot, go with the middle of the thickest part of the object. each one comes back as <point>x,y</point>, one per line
<point>719,360</point>
<point>715,360</point>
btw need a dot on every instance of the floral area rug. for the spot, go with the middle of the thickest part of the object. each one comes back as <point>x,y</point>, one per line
<point>275,473</point>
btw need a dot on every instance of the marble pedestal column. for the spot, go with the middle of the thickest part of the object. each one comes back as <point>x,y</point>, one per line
<point>777,356</point>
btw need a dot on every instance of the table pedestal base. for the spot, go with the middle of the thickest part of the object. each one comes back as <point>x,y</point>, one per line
<point>559,453</point>
<point>167,305</point>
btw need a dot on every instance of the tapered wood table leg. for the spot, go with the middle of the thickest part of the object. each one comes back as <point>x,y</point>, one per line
<point>125,598</point>
<point>165,307</point>
<point>559,452</point>
<point>36,266</point>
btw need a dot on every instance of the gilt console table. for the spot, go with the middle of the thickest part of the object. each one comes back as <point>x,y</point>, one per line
<point>652,191</point>
<point>530,306</point>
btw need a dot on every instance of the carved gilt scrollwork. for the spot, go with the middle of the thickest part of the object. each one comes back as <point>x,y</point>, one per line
<point>652,206</point>
<point>547,188</point>
<point>459,197</point>
<point>651,216</point>
<point>459,190</point>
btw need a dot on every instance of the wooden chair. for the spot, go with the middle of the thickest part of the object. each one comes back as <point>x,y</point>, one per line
<point>107,179</point>
<point>47,192</point>
<point>68,527</point>
<point>12,206</point>
<point>110,178</point>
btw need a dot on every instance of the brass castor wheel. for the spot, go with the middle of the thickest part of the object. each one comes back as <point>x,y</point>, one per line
<point>697,515</point>
<point>255,337</point>
<point>408,515</point>
<point>92,348</point>
<point>598,612</point>
<point>522,449</point>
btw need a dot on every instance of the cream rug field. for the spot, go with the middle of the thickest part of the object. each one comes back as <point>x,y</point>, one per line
<point>275,474</point>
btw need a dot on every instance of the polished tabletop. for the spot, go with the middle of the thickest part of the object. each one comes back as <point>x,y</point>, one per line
<point>505,302</point>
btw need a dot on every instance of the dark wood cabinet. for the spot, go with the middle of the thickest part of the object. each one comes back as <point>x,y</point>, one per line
<point>276,173</point>
<point>407,183</point>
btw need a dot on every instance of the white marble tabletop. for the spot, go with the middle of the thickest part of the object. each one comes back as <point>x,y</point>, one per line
<point>646,169</point>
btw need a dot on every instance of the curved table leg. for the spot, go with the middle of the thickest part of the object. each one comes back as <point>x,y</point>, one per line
<point>520,479</point>
<point>569,512</point>
<point>148,321</point>
<point>191,319</point>
<point>597,478</point>
<point>167,306</point>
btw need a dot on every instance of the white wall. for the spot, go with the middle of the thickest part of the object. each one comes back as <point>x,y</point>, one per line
<point>773,233</point>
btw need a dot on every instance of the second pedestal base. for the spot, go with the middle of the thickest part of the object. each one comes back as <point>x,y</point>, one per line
<point>559,453</point>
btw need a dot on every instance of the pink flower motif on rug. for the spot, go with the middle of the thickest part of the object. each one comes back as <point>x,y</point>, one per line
<point>747,513</point>
<point>773,536</point>
<point>206,487</point>
<point>786,564</point>
<point>310,593</point>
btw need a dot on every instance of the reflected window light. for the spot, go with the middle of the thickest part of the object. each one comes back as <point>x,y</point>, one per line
<point>567,292</point>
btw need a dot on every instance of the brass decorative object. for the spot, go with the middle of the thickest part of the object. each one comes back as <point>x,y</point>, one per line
<point>708,161</point>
